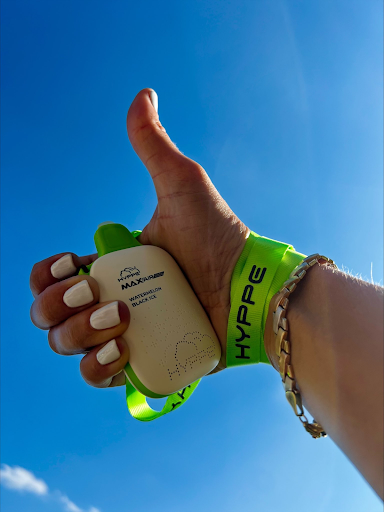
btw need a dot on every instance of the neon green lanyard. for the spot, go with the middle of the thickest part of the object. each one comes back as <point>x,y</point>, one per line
<point>139,408</point>
<point>262,268</point>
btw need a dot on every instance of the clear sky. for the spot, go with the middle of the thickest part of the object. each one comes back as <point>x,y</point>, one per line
<point>281,102</point>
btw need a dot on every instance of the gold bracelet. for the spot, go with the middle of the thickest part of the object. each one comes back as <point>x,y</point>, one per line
<point>282,346</point>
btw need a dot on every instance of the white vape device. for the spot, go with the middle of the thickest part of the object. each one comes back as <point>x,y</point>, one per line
<point>170,338</point>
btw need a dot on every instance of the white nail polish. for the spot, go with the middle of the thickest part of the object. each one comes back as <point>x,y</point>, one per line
<point>109,353</point>
<point>78,295</point>
<point>64,267</point>
<point>154,100</point>
<point>105,317</point>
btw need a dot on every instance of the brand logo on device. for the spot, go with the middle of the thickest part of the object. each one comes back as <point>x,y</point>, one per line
<point>128,272</point>
<point>191,351</point>
<point>135,282</point>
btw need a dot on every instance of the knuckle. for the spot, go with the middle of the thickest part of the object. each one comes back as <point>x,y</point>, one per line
<point>160,126</point>
<point>195,168</point>
<point>141,132</point>
<point>188,168</point>
<point>44,308</point>
<point>73,337</point>
<point>65,340</point>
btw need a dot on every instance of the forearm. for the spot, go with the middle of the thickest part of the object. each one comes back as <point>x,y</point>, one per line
<point>336,333</point>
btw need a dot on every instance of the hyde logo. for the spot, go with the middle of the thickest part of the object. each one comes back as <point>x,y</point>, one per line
<point>128,272</point>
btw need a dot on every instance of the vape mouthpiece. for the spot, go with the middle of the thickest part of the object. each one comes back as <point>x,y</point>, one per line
<point>111,237</point>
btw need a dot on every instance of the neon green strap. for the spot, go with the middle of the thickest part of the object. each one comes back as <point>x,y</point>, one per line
<point>139,408</point>
<point>262,268</point>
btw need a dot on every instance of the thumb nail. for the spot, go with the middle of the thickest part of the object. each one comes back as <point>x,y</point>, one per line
<point>154,100</point>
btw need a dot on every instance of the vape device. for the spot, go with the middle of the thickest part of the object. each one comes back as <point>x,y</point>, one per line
<point>170,338</point>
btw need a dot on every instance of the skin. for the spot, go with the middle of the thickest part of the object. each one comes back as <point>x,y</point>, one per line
<point>195,225</point>
<point>336,332</point>
<point>191,221</point>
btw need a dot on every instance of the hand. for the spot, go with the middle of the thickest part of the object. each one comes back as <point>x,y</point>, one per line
<point>191,221</point>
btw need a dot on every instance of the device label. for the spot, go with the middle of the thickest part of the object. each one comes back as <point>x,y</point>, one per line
<point>146,296</point>
<point>129,272</point>
<point>126,282</point>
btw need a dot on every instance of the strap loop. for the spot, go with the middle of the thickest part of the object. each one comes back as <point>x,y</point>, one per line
<point>140,410</point>
<point>260,271</point>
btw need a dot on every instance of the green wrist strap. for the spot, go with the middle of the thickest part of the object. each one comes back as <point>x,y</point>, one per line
<point>261,270</point>
<point>115,237</point>
<point>139,408</point>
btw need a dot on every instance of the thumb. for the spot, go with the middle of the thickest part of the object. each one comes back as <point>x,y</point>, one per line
<point>171,171</point>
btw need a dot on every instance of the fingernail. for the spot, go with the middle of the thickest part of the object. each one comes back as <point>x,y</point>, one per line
<point>154,100</point>
<point>108,353</point>
<point>105,317</point>
<point>78,295</point>
<point>64,267</point>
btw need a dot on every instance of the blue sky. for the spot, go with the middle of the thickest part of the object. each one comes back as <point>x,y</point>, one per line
<point>276,100</point>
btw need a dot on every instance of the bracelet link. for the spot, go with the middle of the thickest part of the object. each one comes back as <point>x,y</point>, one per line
<point>289,384</point>
<point>278,315</point>
<point>291,283</point>
<point>298,270</point>
<point>315,429</point>
<point>284,361</point>
<point>280,337</point>
<point>294,399</point>
<point>283,347</point>
<point>290,372</point>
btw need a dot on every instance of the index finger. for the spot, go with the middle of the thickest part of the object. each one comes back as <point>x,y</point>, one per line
<point>56,268</point>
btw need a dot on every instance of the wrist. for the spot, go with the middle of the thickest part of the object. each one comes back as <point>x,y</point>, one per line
<point>232,241</point>
<point>283,341</point>
<point>299,311</point>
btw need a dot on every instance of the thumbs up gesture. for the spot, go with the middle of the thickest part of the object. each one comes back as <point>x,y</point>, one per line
<point>191,221</point>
